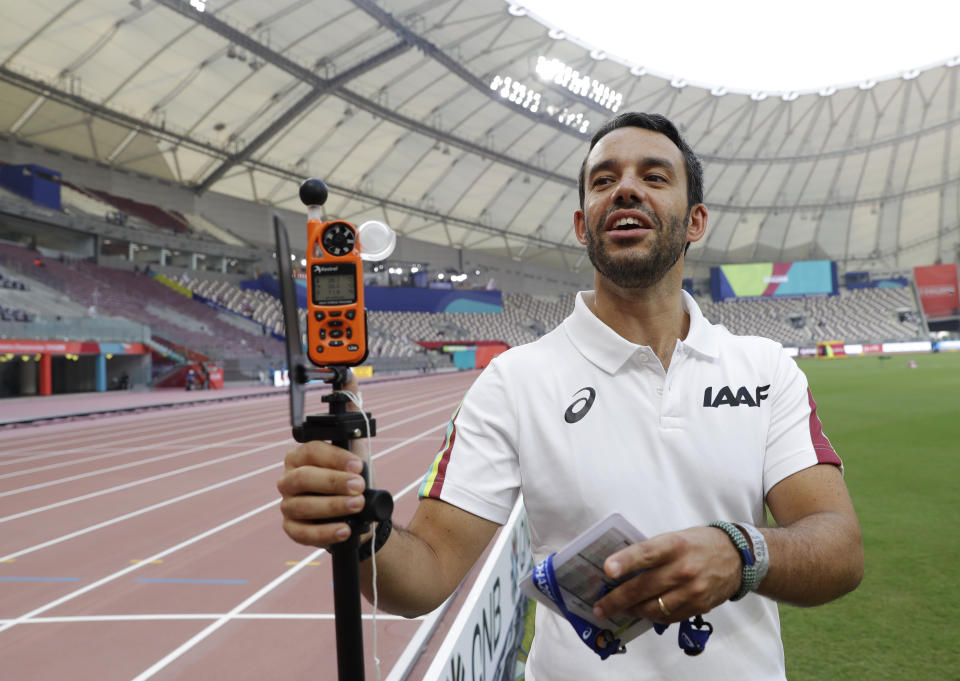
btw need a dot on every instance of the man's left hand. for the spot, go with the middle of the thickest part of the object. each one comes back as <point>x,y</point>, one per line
<point>684,574</point>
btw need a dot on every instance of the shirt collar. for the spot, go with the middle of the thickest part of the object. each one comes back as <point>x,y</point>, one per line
<point>609,350</point>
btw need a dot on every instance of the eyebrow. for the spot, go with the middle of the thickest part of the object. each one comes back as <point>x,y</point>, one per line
<point>645,162</point>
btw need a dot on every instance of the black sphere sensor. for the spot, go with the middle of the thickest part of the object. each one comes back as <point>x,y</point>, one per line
<point>313,192</point>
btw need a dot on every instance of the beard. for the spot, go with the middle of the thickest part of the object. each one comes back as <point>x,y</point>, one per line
<point>632,269</point>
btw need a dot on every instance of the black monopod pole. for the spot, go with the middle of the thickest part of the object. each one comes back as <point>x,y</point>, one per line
<point>340,427</point>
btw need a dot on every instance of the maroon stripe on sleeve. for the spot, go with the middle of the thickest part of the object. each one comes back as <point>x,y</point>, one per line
<point>437,485</point>
<point>821,445</point>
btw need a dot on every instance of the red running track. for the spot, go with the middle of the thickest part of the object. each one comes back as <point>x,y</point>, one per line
<point>148,545</point>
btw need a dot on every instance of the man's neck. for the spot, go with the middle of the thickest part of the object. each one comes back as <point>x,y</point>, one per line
<point>652,316</point>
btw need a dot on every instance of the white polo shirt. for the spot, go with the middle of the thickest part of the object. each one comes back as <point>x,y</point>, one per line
<point>585,424</point>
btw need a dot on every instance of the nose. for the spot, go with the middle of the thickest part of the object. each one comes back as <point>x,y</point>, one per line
<point>629,189</point>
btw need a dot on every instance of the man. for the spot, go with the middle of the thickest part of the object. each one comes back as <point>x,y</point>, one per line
<point>635,404</point>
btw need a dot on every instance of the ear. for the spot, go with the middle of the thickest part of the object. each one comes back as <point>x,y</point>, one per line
<point>579,226</point>
<point>697,224</point>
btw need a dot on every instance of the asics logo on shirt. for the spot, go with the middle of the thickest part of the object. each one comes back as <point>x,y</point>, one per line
<point>725,395</point>
<point>580,406</point>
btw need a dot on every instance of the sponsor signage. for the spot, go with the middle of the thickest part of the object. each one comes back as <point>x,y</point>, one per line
<point>477,644</point>
<point>937,285</point>
<point>911,346</point>
<point>71,348</point>
<point>764,279</point>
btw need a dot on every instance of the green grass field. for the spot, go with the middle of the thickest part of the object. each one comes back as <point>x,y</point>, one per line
<point>898,433</point>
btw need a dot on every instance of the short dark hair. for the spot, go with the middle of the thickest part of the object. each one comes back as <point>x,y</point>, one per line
<point>656,123</point>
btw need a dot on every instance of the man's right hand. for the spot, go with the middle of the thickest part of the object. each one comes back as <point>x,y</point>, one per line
<point>320,482</point>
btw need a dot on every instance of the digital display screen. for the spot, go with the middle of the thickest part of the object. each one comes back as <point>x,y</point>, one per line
<point>334,284</point>
<point>763,279</point>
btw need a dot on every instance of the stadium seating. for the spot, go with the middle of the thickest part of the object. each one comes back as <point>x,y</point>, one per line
<point>866,315</point>
<point>105,292</point>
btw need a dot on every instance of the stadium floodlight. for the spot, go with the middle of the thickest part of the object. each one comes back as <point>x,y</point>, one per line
<point>574,120</point>
<point>953,61</point>
<point>516,92</point>
<point>867,84</point>
<point>638,70</point>
<point>718,91</point>
<point>517,10</point>
<point>758,96</point>
<point>790,96</point>
<point>678,83</point>
<point>910,74</point>
<point>598,55</point>
<point>556,34</point>
<point>553,70</point>
<point>827,91</point>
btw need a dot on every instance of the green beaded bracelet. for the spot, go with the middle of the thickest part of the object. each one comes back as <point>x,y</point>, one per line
<point>748,575</point>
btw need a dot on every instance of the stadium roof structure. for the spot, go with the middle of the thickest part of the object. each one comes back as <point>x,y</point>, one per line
<point>464,122</point>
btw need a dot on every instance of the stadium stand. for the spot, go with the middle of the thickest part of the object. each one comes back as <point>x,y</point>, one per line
<point>100,291</point>
<point>860,315</point>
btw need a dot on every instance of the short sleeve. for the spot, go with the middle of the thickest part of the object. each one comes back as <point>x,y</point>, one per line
<point>795,438</point>
<point>477,468</point>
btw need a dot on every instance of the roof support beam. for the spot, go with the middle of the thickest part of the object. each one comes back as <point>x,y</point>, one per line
<point>178,139</point>
<point>294,111</point>
<point>307,76</point>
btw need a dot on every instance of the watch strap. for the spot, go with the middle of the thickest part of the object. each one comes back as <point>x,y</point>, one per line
<point>761,553</point>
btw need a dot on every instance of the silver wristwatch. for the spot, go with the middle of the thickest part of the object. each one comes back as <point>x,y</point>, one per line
<point>760,552</point>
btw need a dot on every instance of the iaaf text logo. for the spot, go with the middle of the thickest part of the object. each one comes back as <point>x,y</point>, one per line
<point>743,396</point>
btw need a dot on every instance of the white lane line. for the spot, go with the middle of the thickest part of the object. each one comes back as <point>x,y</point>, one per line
<point>151,430</point>
<point>138,512</point>
<point>132,464</point>
<point>188,616</point>
<point>194,493</point>
<point>184,434</point>
<point>134,483</point>
<point>136,566</point>
<point>120,450</point>
<point>223,619</point>
<point>187,645</point>
<point>179,471</point>
<point>204,426</point>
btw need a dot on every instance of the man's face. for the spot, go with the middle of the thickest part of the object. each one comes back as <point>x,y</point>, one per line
<point>635,216</point>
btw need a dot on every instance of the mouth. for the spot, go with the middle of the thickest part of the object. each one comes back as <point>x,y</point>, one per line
<point>627,224</point>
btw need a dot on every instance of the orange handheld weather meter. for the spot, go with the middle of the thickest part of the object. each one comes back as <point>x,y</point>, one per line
<point>336,317</point>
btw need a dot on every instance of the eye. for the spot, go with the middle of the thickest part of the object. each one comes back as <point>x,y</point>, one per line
<point>602,180</point>
<point>656,178</point>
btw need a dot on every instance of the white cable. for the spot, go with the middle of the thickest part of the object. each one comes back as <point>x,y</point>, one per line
<point>357,400</point>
